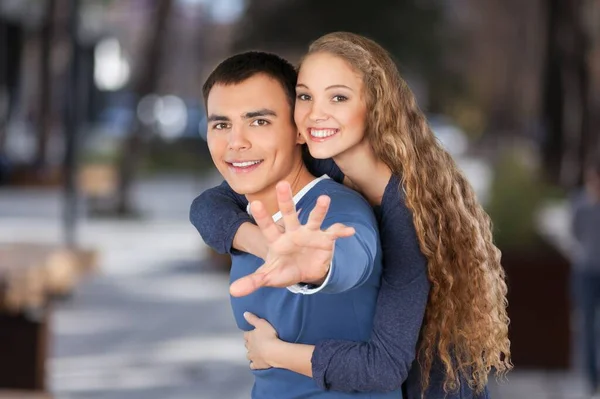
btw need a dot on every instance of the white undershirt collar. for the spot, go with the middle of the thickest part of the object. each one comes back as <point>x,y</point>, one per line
<point>297,197</point>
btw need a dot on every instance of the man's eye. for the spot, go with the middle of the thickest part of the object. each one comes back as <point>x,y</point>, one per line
<point>303,97</point>
<point>260,122</point>
<point>220,126</point>
<point>339,98</point>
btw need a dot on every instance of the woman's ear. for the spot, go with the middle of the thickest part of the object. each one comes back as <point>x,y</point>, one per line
<point>300,139</point>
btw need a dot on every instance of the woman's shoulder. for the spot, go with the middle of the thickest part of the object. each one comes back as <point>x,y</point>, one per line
<point>339,193</point>
<point>393,203</point>
<point>344,200</point>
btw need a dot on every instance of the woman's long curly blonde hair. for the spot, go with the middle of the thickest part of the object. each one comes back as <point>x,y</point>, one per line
<point>466,323</point>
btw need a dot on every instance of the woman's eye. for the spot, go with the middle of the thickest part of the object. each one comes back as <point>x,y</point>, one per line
<point>339,98</point>
<point>303,97</point>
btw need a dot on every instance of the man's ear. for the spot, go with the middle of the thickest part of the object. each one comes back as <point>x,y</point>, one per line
<point>300,139</point>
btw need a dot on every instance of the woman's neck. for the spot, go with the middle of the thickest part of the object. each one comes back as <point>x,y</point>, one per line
<point>365,172</point>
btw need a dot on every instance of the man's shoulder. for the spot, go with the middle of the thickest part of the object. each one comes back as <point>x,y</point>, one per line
<point>338,192</point>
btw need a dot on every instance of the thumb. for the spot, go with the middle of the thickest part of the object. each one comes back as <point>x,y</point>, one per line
<point>247,285</point>
<point>251,318</point>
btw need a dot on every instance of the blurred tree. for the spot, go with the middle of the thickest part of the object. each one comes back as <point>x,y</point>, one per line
<point>412,30</point>
<point>569,103</point>
<point>12,39</point>
<point>44,114</point>
<point>147,79</point>
<point>500,45</point>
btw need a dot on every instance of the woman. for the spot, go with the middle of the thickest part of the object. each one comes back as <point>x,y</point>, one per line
<point>443,292</point>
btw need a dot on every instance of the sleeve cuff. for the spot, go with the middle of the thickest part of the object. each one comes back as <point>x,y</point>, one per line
<point>227,246</point>
<point>309,289</point>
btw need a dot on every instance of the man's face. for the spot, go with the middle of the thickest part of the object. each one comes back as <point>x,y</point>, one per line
<point>251,137</point>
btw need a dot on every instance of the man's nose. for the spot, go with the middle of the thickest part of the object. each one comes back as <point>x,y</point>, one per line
<point>238,139</point>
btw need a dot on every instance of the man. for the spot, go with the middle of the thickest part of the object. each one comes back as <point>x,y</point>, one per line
<point>254,144</point>
<point>586,276</point>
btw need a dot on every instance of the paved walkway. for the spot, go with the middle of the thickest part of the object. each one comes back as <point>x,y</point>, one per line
<point>155,323</point>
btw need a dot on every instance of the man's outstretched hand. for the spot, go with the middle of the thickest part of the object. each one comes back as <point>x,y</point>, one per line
<point>300,254</point>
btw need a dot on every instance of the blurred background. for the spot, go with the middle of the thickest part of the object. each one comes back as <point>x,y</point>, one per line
<point>107,291</point>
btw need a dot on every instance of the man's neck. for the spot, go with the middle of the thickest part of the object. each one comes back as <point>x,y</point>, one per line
<point>298,179</point>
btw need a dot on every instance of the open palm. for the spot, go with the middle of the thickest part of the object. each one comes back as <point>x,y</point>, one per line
<point>300,254</point>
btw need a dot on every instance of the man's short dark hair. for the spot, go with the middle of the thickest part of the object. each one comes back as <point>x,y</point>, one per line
<point>243,66</point>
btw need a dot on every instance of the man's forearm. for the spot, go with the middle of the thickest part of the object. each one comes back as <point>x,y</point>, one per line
<point>293,357</point>
<point>250,239</point>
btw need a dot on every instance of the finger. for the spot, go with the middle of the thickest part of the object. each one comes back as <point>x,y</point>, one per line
<point>247,285</point>
<point>264,221</point>
<point>256,321</point>
<point>252,319</point>
<point>339,230</point>
<point>265,267</point>
<point>287,206</point>
<point>280,225</point>
<point>320,242</point>
<point>264,270</point>
<point>325,240</point>
<point>254,366</point>
<point>317,215</point>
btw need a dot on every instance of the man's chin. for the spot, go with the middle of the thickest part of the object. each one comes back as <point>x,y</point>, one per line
<point>242,189</point>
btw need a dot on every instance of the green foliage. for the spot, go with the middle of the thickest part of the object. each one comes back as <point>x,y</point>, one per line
<point>517,193</point>
<point>188,155</point>
<point>411,30</point>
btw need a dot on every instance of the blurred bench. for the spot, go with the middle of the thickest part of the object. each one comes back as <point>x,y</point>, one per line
<point>24,395</point>
<point>98,184</point>
<point>31,275</point>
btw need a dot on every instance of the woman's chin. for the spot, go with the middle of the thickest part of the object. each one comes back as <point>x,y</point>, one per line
<point>321,153</point>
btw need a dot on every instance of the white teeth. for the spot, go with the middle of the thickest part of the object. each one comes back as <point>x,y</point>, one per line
<point>244,164</point>
<point>322,132</point>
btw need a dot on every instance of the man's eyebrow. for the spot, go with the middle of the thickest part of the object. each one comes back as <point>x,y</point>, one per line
<point>220,118</point>
<point>260,112</point>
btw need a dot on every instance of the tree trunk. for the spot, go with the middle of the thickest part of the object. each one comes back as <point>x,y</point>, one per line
<point>146,84</point>
<point>45,114</point>
<point>13,39</point>
<point>553,96</point>
<point>590,145</point>
<point>568,104</point>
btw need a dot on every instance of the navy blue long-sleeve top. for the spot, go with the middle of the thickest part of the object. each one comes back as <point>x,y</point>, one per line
<point>385,362</point>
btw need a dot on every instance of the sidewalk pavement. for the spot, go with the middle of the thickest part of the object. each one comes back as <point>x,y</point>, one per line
<point>155,322</point>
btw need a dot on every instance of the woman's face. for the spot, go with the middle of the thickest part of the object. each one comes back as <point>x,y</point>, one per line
<point>331,111</point>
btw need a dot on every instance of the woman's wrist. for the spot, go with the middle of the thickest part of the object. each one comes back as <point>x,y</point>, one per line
<point>273,352</point>
<point>250,239</point>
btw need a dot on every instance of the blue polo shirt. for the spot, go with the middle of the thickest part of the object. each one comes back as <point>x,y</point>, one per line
<point>344,306</point>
